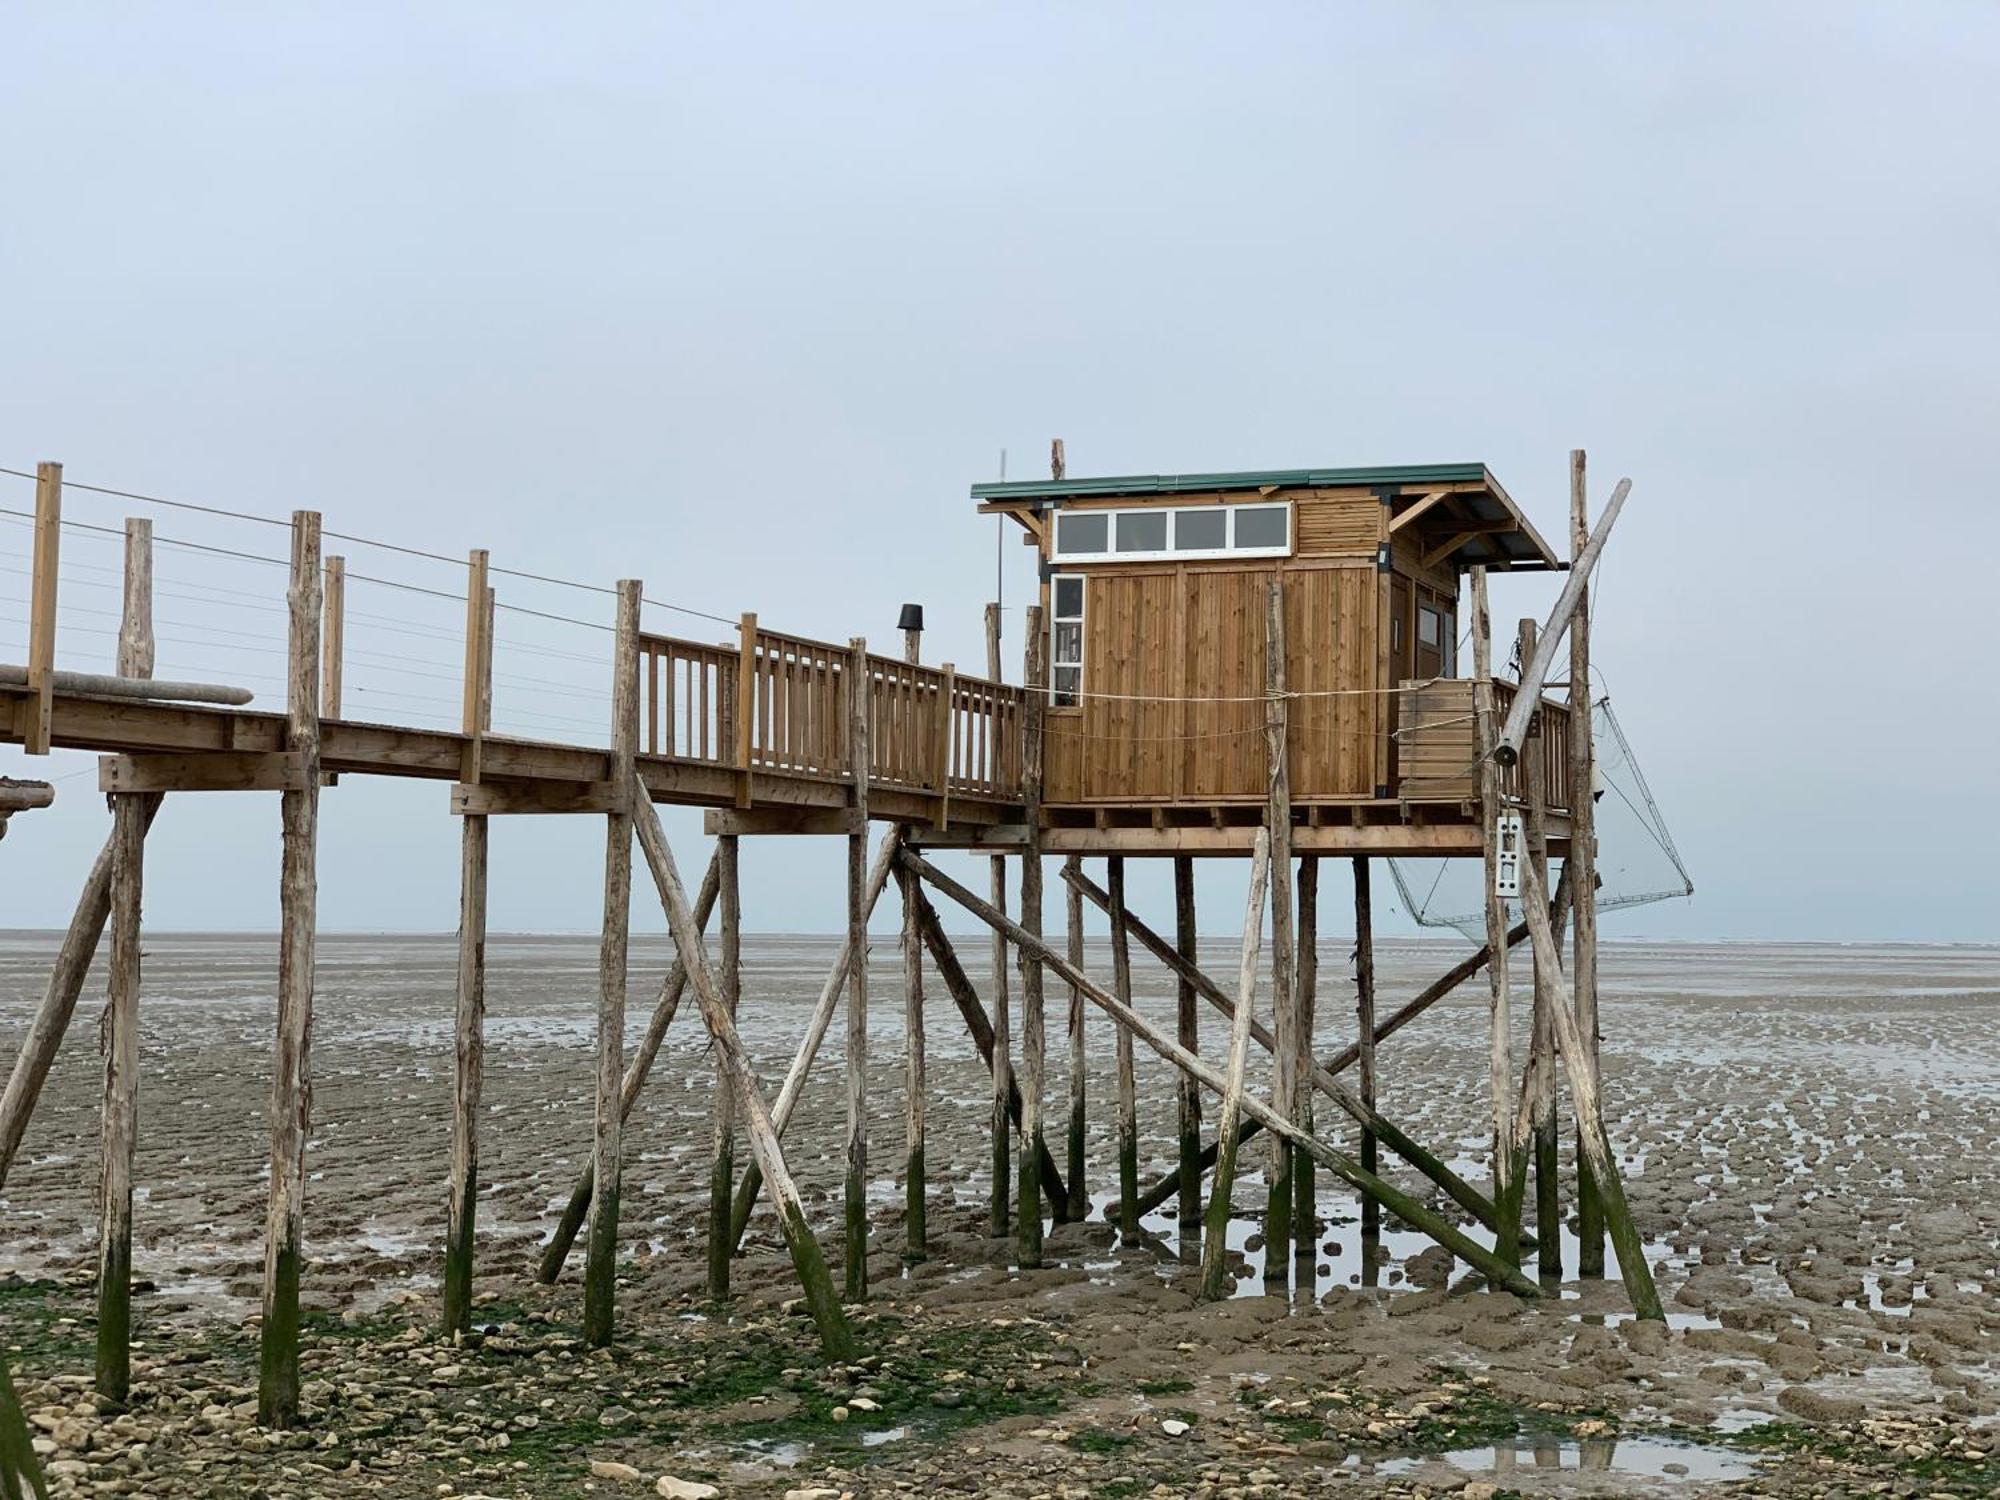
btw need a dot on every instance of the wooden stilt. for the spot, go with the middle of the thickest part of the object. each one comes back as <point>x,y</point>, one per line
<point>469,1031</point>
<point>722,1156</point>
<point>469,1052</point>
<point>1034,1041</point>
<point>1580,869</point>
<point>1165,1187</point>
<point>985,1035</point>
<point>1288,1088</point>
<point>1187,1021</point>
<point>1618,1222</point>
<point>998,1211</point>
<point>66,978</point>
<point>1078,1206</point>
<point>636,1073</point>
<point>817,1026</point>
<point>1364,992</point>
<point>1215,1238</point>
<point>291,1080</point>
<point>836,1337</point>
<point>1321,1079</point>
<point>1500,1043</point>
<point>1305,979</point>
<point>1393,1199</point>
<point>1128,1088</point>
<point>20,1471</point>
<point>121,1013</point>
<point>1548,1188</point>
<point>859,762</point>
<point>914,1242</point>
<point>600,1270</point>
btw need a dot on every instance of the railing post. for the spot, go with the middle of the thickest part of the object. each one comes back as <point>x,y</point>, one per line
<point>947,723</point>
<point>478,666</point>
<point>746,704</point>
<point>42,607</point>
<point>334,637</point>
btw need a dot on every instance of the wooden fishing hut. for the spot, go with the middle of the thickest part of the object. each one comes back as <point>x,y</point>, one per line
<point>1262,665</point>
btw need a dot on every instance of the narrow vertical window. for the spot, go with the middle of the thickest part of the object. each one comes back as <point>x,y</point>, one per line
<point>1066,640</point>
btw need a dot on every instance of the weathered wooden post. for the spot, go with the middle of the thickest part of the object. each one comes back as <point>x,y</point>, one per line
<point>600,1273</point>
<point>1003,1059</point>
<point>1187,1030</point>
<point>722,1162</point>
<point>334,614</point>
<point>636,1072</point>
<point>1288,1088</point>
<point>469,1020</point>
<point>1215,1241</point>
<point>914,1243</point>
<point>860,761</point>
<point>1128,1088</point>
<point>1548,1186</point>
<point>1364,1006</point>
<point>291,1078</point>
<point>121,1013</point>
<point>1034,1041</point>
<point>1580,869</point>
<point>1305,980</point>
<point>20,1471</point>
<point>1500,1049</point>
<point>836,1337</point>
<point>1078,1207</point>
<point>45,579</point>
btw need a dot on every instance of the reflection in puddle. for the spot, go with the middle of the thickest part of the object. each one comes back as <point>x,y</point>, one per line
<point>1654,1458</point>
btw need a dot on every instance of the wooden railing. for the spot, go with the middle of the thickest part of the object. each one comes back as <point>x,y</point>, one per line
<point>1437,744</point>
<point>777,702</point>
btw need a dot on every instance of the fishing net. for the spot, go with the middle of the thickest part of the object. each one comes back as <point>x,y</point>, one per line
<point>1637,863</point>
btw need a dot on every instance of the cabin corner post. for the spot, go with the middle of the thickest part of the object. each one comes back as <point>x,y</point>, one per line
<point>1215,1235</point>
<point>291,1085</point>
<point>1287,1076</point>
<point>860,759</point>
<point>1305,980</point>
<point>1580,869</point>
<point>469,1000</point>
<point>1500,1054</point>
<point>722,1155</point>
<point>1128,1089</point>
<point>1078,1207</point>
<point>915,1242</point>
<point>600,1274</point>
<point>1034,1039</point>
<point>1003,1059</point>
<point>121,1013</point>
<point>1187,1030</point>
<point>45,579</point>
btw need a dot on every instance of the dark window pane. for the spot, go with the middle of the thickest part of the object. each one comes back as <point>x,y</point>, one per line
<point>1429,626</point>
<point>1069,642</point>
<point>1201,530</point>
<point>1069,598</point>
<point>1067,682</point>
<point>1083,533</point>
<point>1142,531</point>
<point>1262,526</point>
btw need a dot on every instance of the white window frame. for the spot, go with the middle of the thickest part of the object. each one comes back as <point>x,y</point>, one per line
<point>1169,554</point>
<point>1082,621</point>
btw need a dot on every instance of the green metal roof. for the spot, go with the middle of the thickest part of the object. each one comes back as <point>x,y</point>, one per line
<point>1253,479</point>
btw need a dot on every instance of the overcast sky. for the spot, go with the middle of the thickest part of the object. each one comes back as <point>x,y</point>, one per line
<point>740,299</point>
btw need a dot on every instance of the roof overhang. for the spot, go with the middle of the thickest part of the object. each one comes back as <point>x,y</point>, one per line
<point>1490,529</point>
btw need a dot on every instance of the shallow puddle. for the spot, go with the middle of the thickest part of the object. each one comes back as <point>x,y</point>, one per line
<point>1651,1457</point>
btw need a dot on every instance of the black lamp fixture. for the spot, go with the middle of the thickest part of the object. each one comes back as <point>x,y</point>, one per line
<point>912,617</point>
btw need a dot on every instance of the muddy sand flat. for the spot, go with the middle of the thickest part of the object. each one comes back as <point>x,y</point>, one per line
<point>1810,1135</point>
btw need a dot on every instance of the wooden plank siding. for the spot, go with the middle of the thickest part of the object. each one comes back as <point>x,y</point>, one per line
<point>1439,748</point>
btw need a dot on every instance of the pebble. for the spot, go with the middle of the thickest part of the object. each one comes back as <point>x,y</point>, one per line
<point>610,1468</point>
<point>684,1489</point>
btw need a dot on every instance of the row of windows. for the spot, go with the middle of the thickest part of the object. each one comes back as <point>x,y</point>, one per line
<point>1174,532</point>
